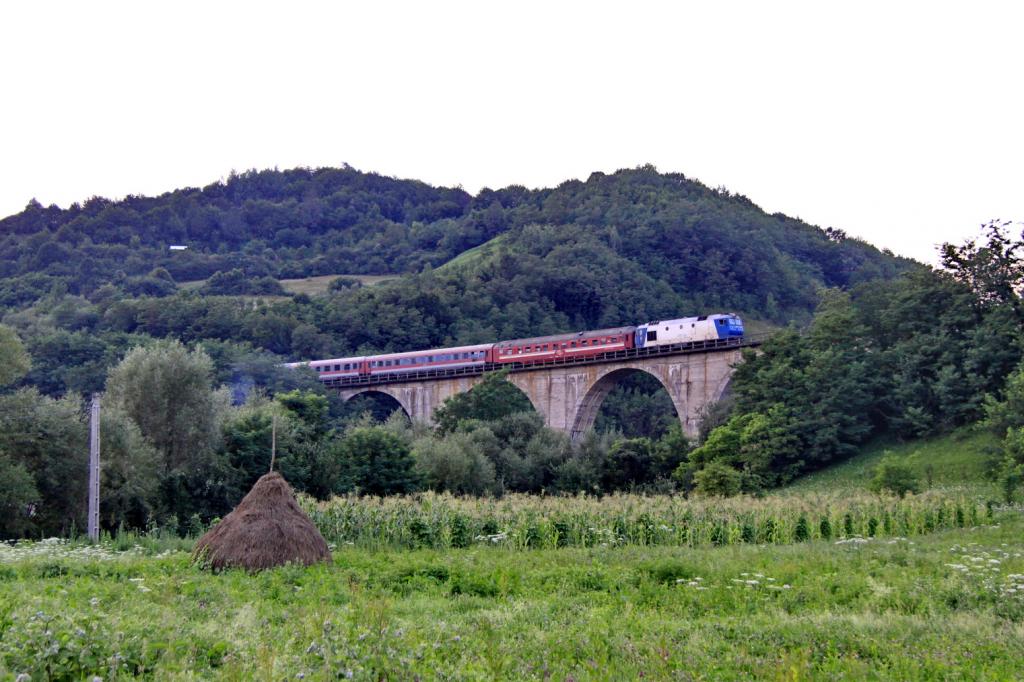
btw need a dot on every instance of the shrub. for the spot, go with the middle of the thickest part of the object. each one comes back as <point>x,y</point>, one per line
<point>718,479</point>
<point>342,283</point>
<point>453,463</point>
<point>896,478</point>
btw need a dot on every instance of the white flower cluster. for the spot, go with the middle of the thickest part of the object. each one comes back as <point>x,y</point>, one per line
<point>758,581</point>
<point>985,568</point>
<point>59,548</point>
<point>856,541</point>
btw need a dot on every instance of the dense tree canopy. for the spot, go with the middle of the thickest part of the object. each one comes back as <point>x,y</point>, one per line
<point>923,354</point>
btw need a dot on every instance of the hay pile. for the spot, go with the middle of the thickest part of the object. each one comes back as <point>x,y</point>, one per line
<point>266,529</point>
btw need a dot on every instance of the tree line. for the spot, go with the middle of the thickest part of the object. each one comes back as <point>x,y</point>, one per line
<point>178,451</point>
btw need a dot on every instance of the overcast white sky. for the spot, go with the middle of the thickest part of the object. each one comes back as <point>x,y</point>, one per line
<point>899,122</point>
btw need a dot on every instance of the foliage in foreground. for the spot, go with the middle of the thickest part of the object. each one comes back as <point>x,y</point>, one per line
<point>944,606</point>
<point>530,522</point>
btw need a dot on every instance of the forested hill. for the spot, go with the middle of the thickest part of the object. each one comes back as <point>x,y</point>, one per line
<point>672,238</point>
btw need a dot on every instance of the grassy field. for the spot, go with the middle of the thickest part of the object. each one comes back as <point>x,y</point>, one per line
<point>318,285</point>
<point>944,606</point>
<point>473,257</point>
<point>305,285</point>
<point>959,460</point>
<point>619,588</point>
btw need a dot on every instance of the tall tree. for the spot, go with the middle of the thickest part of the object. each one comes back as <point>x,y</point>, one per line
<point>167,390</point>
<point>14,361</point>
<point>994,270</point>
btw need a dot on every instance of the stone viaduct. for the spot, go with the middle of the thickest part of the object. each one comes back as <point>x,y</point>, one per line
<point>568,397</point>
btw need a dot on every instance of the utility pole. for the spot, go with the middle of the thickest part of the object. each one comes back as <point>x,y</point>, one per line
<point>273,440</point>
<point>94,468</point>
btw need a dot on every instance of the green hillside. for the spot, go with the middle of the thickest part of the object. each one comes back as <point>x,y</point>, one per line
<point>710,247</point>
<point>958,459</point>
<point>476,256</point>
<point>82,284</point>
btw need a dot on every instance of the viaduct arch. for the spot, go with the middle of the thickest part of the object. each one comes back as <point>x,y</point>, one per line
<point>569,397</point>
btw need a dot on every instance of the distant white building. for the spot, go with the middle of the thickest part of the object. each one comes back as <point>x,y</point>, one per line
<point>177,247</point>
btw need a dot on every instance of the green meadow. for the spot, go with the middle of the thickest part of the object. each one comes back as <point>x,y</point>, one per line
<point>944,602</point>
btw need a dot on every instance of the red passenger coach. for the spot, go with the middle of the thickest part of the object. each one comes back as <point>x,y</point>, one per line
<point>439,358</point>
<point>563,346</point>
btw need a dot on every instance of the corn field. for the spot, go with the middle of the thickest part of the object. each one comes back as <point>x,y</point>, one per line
<point>519,522</point>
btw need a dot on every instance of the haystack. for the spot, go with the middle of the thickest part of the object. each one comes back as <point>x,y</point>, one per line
<point>266,529</point>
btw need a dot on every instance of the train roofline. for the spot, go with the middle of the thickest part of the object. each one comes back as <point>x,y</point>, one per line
<point>434,351</point>
<point>567,337</point>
